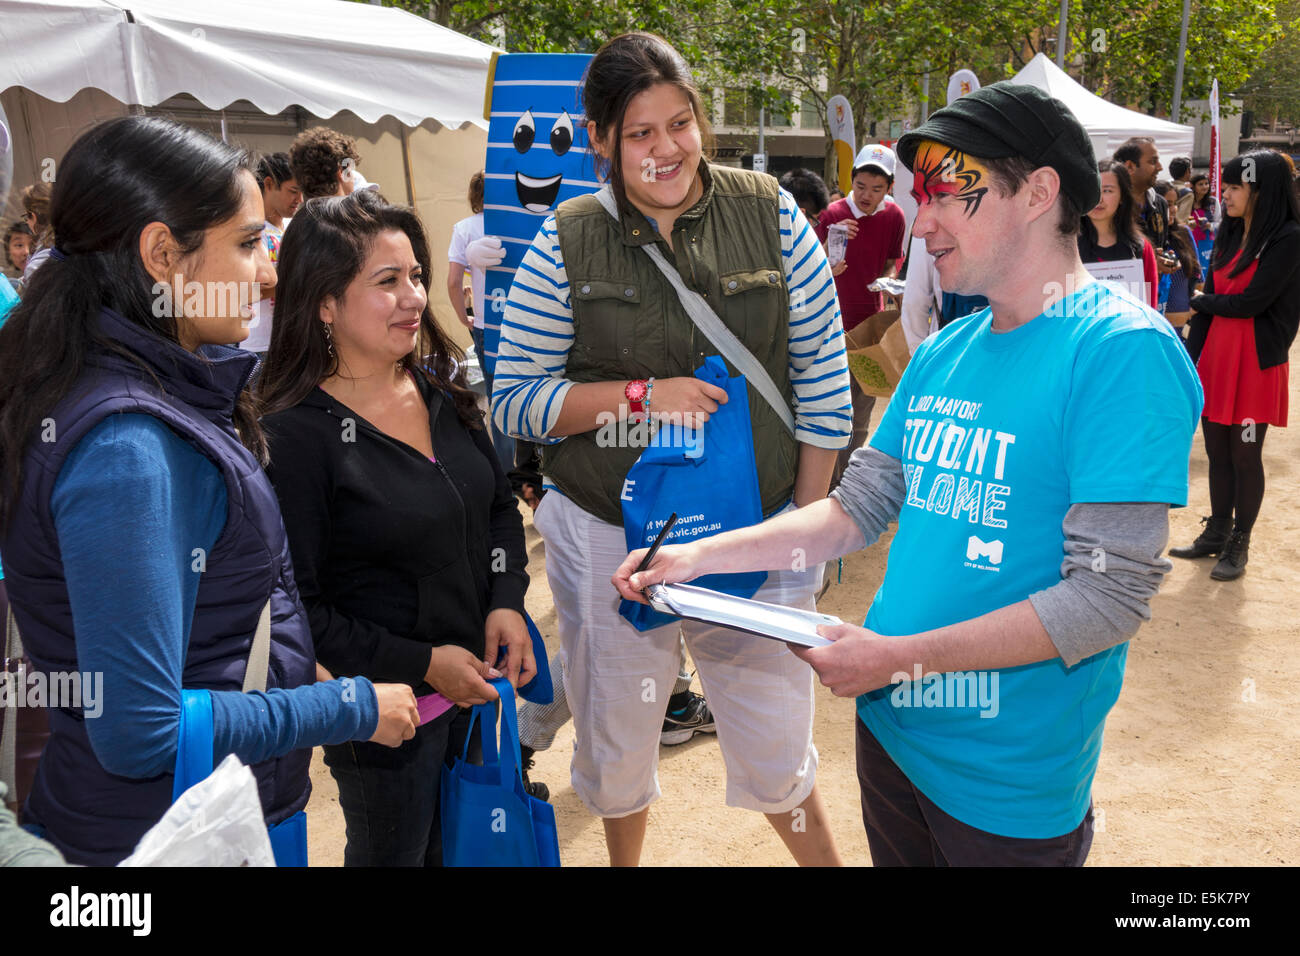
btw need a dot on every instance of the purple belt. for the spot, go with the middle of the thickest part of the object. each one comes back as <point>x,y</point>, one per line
<point>431,706</point>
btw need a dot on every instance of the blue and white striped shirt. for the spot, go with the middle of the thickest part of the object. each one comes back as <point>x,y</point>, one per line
<point>537,333</point>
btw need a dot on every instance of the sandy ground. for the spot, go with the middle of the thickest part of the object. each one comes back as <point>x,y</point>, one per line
<point>1201,762</point>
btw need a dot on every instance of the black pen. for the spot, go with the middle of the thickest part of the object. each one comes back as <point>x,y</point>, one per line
<point>649,555</point>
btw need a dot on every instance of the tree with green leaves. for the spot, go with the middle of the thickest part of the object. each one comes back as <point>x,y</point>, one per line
<point>876,52</point>
<point>1272,91</point>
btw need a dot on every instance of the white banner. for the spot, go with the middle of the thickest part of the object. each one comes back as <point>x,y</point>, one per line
<point>961,83</point>
<point>839,116</point>
<point>1216,161</point>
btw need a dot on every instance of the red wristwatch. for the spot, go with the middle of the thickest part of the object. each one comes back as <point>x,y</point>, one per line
<point>635,391</point>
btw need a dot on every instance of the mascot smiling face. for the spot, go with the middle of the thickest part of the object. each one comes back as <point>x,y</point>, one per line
<point>538,194</point>
<point>537,157</point>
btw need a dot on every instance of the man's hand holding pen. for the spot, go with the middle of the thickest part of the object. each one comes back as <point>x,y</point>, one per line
<point>671,565</point>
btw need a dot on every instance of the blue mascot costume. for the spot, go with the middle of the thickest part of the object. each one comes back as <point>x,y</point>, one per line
<point>537,157</point>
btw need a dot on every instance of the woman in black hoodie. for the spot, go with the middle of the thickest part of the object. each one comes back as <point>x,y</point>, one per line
<point>406,540</point>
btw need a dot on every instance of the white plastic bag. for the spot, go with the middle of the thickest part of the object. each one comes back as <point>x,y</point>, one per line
<point>217,822</point>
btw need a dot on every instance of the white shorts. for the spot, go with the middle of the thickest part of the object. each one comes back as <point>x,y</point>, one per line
<point>618,679</point>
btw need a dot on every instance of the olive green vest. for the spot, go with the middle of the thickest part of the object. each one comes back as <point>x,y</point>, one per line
<point>629,323</point>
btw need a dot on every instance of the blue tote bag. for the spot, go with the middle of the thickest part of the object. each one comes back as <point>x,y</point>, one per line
<point>708,476</point>
<point>194,764</point>
<point>488,819</point>
<point>539,690</point>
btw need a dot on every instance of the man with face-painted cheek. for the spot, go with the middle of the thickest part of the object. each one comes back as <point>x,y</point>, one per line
<point>1030,456</point>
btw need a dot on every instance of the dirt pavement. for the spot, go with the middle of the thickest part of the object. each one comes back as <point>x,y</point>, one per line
<point>1201,761</point>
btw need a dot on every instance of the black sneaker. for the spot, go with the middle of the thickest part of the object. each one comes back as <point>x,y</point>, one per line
<point>535,789</point>
<point>694,718</point>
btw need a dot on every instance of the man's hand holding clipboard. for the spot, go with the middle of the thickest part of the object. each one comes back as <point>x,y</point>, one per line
<point>652,576</point>
<point>852,661</point>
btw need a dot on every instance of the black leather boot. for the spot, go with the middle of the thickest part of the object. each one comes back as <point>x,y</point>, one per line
<point>1210,541</point>
<point>1232,562</point>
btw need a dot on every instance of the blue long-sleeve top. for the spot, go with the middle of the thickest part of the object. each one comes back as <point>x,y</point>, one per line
<point>131,503</point>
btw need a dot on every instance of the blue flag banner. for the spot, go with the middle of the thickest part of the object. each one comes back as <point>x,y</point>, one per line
<point>1203,249</point>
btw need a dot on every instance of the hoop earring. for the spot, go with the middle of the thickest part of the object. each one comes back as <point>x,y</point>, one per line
<point>329,338</point>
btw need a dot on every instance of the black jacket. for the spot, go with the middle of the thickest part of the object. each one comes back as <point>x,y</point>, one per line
<point>393,553</point>
<point>1153,219</point>
<point>1272,299</point>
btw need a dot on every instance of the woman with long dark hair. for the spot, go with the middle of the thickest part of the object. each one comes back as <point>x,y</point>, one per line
<point>406,539</point>
<point>1240,335</point>
<point>1205,209</point>
<point>1203,220</point>
<point>1181,243</point>
<point>1109,231</point>
<point>141,538</point>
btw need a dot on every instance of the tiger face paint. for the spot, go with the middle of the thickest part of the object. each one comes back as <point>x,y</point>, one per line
<point>940,171</point>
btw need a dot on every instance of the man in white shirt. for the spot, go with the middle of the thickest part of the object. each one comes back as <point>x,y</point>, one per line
<point>470,249</point>
<point>281,198</point>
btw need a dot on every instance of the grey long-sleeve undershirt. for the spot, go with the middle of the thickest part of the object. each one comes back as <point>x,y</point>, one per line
<point>1088,610</point>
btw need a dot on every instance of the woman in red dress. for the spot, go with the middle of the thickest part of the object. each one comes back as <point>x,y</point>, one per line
<point>1242,328</point>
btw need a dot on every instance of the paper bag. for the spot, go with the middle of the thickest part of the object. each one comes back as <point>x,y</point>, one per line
<point>878,366</point>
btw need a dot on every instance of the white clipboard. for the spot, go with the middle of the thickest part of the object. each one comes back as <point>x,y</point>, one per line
<point>741,614</point>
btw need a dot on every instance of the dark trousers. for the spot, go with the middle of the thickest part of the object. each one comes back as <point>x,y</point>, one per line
<point>904,828</point>
<point>389,795</point>
<point>862,407</point>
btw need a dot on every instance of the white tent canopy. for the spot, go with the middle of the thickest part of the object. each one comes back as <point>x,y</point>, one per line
<point>323,55</point>
<point>1108,125</point>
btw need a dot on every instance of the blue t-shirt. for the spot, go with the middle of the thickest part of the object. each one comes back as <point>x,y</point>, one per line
<point>8,299</point>
<point>999,434</point>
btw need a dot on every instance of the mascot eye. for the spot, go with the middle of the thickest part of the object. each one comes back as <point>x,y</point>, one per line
<point>525,130</point>
<point>562,134</point>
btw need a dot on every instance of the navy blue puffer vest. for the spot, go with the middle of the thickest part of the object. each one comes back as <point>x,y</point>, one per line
<point>93,816</point>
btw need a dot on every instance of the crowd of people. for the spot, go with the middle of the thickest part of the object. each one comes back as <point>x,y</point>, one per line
<point>313,455</point>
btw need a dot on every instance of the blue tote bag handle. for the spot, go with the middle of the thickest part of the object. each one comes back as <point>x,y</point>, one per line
<point>194,749</point>
<point>539,690</point>
<point>484,718</point>
<point>194,765</point>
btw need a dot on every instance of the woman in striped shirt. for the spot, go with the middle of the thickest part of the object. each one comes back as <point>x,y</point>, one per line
<point>582,337</point>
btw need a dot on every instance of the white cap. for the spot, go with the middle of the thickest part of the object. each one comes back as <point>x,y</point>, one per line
<point>873,154</point>
<point>360,182</point>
